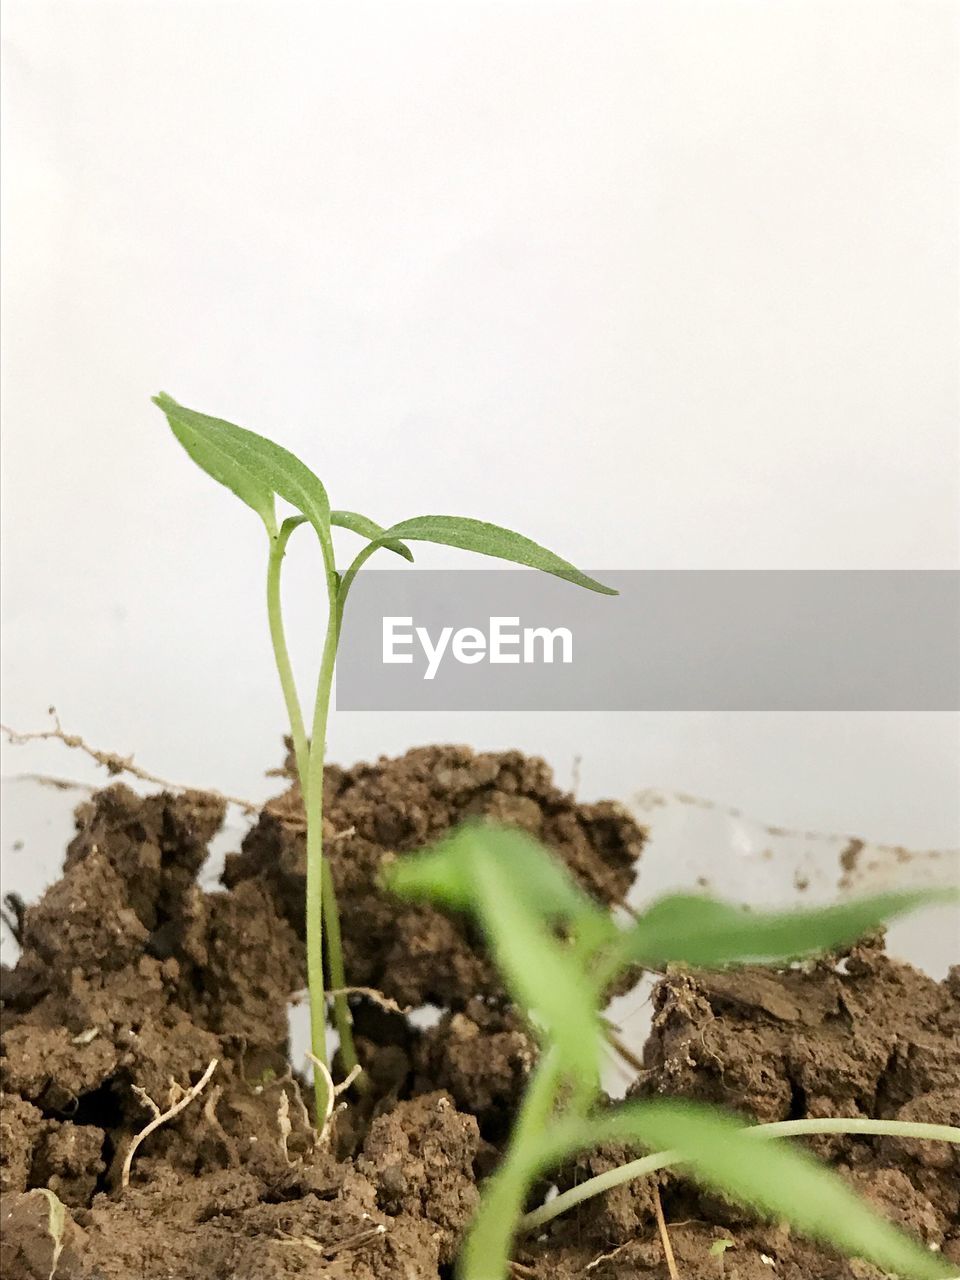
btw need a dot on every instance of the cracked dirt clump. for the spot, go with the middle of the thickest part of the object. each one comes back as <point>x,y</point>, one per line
<point>869,1038</point>
<point>419,1157</point>
<point>414,954</point>
<point>133,978</point>
<point>483,1056</point>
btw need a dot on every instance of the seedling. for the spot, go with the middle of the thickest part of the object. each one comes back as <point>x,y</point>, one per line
<point>559,953</point>
<point>258,472</point>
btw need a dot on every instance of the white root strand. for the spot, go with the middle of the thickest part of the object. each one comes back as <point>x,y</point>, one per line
<point>161,1117</point>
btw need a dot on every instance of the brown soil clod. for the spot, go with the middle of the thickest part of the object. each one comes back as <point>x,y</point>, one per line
<point>413,954</point>
<point>875,1038</point>
<point>131,976</point>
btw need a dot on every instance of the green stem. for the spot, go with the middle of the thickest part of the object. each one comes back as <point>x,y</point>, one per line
<point>486,1251</point>
<point>337,590</point>
<point>313,801</point>
<point>346,581</point>
<point>281,654</point>
<point>779,1129</point>
<point>322,887</point>
<point>342,1018</point>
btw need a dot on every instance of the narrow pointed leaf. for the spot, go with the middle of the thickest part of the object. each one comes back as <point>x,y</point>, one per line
<point>223,465</point>
<point>248,464</point>
<point>357,523</point>
<point>491,540</point>
<point>776,1179</point>
<point>704,933</point>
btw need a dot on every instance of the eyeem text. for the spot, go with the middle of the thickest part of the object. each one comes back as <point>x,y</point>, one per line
<point>504,641</point>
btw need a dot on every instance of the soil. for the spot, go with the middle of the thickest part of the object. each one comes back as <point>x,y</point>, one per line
<point>132,980</point>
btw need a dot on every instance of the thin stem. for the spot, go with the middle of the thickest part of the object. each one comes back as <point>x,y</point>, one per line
<point>329,911</point>
<point>486,1251</point>
<point>281,654</point>
<point>346,582</point>
<point>337,590</point>
<point>314,806</point>
<point>342,1018</point>
<point>594,1186</point>
<point>779,1129</point>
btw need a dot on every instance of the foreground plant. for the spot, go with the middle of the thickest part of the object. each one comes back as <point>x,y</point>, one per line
<point>258,472</point>
<point>559,953</point>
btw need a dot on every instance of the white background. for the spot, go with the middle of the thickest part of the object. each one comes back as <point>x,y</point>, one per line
<point>659,284</point>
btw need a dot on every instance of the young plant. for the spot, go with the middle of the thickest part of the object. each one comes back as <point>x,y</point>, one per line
<point>559,952</point>
<point>258,472</point>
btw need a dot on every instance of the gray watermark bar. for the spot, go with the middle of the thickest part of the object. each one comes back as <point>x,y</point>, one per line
<point>673,640</point>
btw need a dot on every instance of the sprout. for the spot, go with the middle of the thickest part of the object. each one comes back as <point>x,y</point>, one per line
<point>258,472</point>
<point>559,952</point>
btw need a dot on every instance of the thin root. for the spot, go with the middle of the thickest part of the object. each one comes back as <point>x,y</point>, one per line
<point>304,1242</point>
<point>333,1090</point>
<point>607,1257</point>
<point>178,1100</point>
<point>665,1236</point>
<point>147,1101</point>
<point>371,994</point>
<point>284,1125</point>
<point>212,1119</point>
<point>113,762</point>
<point>330,1251</point>
<point>301,1105</point>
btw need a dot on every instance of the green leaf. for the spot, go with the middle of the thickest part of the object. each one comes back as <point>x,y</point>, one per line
<point>705,933</point>
<point>775,1179</point>
<point>543,976</point>
<point>368,529</point>
<point>517,891</point>
<point>442,875</point>
<point>253,467</point>
<point>491,540</point>
<point>218,462</point>
<point>527,871</point>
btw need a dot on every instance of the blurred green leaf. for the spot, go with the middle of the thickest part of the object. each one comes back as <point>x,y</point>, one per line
<point>357,523</point>
<point>491,540</point>
<point>777,1180</point>
<point>251,466</point>
<point>705,933</point>
<point>446,874</point>
<point>543,975</point>
<point>517,891</point>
